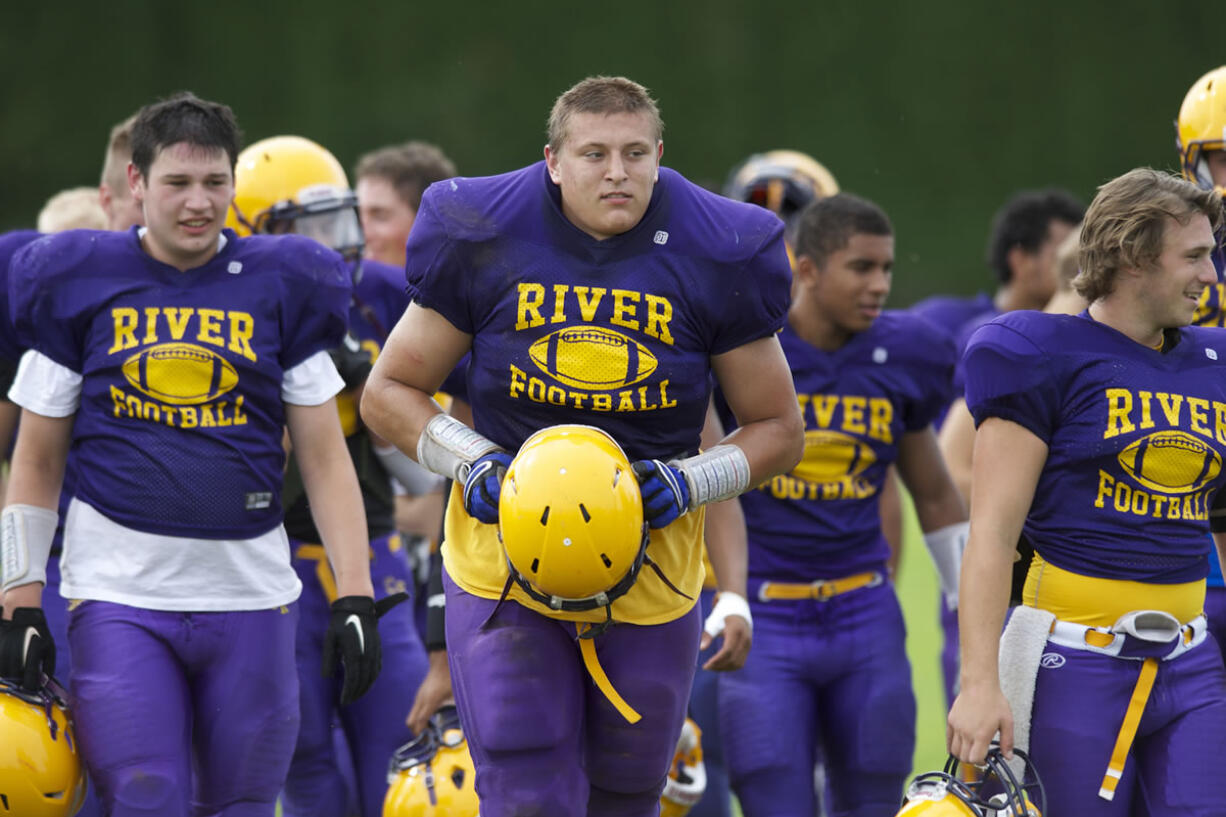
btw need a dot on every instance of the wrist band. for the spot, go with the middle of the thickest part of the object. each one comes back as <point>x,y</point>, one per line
<point>449,447</point>
<point>26,533</point>
<point>727,604</point>
<point>714,475</point>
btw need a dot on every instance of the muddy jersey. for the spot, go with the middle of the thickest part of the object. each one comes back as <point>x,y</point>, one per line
<point>822,520</point>
<point>617,333</point>
<point>180,421</point>
<point>1135,439</point>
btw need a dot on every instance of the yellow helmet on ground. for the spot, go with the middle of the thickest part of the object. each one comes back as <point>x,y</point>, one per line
<point>291,184</point>
<point>997,792</point>
<point>1201,126</point>
<point>433,775</point>
<point>687,777</point>
<point>782,181</point>
<point>570,518</point>
<point>40,771</point>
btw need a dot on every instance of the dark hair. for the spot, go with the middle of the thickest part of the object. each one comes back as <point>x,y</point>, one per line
<point>183,117</point>
<point>1024,220</point>
<point>827,225</point>
<point>409,168</point>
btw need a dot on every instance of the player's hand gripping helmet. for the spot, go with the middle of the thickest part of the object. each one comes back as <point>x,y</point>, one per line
<point>1201,126</point>
<point>687,778</point>
<point>433,775</point>
<point>290,184</point>
<point>783,181</point>
<point>570,518</point>
<point>40,770</point>
<point>998,793</point>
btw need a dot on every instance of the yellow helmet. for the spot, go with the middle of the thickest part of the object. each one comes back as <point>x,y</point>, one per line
<point>433,775</point>
<point>570,518</point>
<point>40,771</point>
<point>997,792</point>
<point>783,181</point>
<point>687,777</point>
<point>1201,126</point>
<point>290,184</point>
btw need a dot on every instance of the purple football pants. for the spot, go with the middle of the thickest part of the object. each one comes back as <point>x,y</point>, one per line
<point>1176,763</point>
<point>544,739</point>
<point>373,726</point>
<point>833,672</point>
<point>172,707</point>
<point>704,709</point>
<point>1215,611</point>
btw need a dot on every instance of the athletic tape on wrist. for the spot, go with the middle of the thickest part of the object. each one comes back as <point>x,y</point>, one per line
<point>448,447</point>
<point>946,545</point>
<point>727,604</point>
<point>26,533</point>
<point>415,479</point>
<point>714,475</point>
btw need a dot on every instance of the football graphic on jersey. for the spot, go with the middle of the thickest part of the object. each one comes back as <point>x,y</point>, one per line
<point>832,455</point>
<point>1171,461</point>
<point>180,373</point>
<point>592,357</point>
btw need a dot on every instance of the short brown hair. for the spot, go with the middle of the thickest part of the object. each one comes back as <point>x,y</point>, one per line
<point>410,168</point>
<point>1126,223</point>
<point>118,154</point>
<point>602,95</point>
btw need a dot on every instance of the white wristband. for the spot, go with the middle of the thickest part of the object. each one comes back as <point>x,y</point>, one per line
<point>26,533</point>
<point>946,545</point>
<point>716,474</point>
<point>727,604</point>
<point>448,447</point>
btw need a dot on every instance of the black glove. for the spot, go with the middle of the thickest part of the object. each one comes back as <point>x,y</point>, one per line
<point>483,487</point>
<point>666,494</point>
<point>27,651</point>
<point>353,635</point>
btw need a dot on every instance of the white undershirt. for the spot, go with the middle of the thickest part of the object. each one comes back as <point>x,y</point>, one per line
<point>106,561</point>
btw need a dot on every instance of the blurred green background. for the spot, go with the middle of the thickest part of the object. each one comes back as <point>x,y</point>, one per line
<point>937,110</point>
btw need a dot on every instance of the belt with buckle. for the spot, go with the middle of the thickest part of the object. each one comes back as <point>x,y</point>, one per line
<point>820,590</point>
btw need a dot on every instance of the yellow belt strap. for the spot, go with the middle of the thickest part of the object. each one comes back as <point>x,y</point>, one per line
<point>587,648</point>
<point>1128,729</point>
<point>323,570</point>
<point>820,590</point>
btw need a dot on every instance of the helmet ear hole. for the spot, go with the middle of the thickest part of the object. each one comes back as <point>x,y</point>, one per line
<point>587,517</point>
<point>457,777</point>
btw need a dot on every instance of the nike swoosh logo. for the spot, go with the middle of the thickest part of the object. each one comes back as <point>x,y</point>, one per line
<point>357,625</point>
<point>31,633</point>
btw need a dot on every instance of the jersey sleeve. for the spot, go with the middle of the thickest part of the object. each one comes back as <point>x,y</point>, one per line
<point>45,307</point>
<point>1009,377</point>
<point>434,271</point>
<point>754,303</point>
<point>934,374</point>
<point>315,300</point>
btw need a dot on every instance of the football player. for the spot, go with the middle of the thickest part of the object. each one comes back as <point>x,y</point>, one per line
<point>389,183</point>
<point>76,208</point>
<point>829,665</point>
<point>1096,441</point>
<point>597,288</point>
<point>1200,137</point>
<point>288,184</point>
<point>170,359</point>
<point>121,208</point>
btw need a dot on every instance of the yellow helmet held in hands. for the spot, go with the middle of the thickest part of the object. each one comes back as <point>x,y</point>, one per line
<point>433,775</point>
<point>997,791</point>
<point>40,770</point>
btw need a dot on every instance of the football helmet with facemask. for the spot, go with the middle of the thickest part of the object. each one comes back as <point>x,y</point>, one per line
<point>570,518</point>
<point>687,777</point>
<point>782,181</point>
<point>290,184</point>
<point>40,771</point>
<point>433,775</point>
<point>1003,788</point>
<point>1201,127</point>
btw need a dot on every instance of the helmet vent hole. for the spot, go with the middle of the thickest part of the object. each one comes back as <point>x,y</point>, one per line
<point>545,516</point>
<point>457,777</point>
<point>536,563</point>
<point>587,517</point>
<point>607,561</point>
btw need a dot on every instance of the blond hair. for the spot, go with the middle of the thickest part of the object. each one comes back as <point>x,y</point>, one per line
<point>118,155</point>
<point>1126,224</point>
<point>603,95</point>
<point>76,208</point>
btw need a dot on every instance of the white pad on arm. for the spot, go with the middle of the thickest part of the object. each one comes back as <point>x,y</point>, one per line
<point>26,533</point>
<point>727,604</point>
<point>415,479</point>
<point>716,474</point>
<point>448,447</point>
<point>946,545</point>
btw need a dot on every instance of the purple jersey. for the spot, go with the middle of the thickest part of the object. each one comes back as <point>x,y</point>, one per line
<point>822,520</point>
<point>1135,439</point>
<point>615,333</point>
<point>11,348</point>
<point>180,421</point>
<point>950,312</point>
